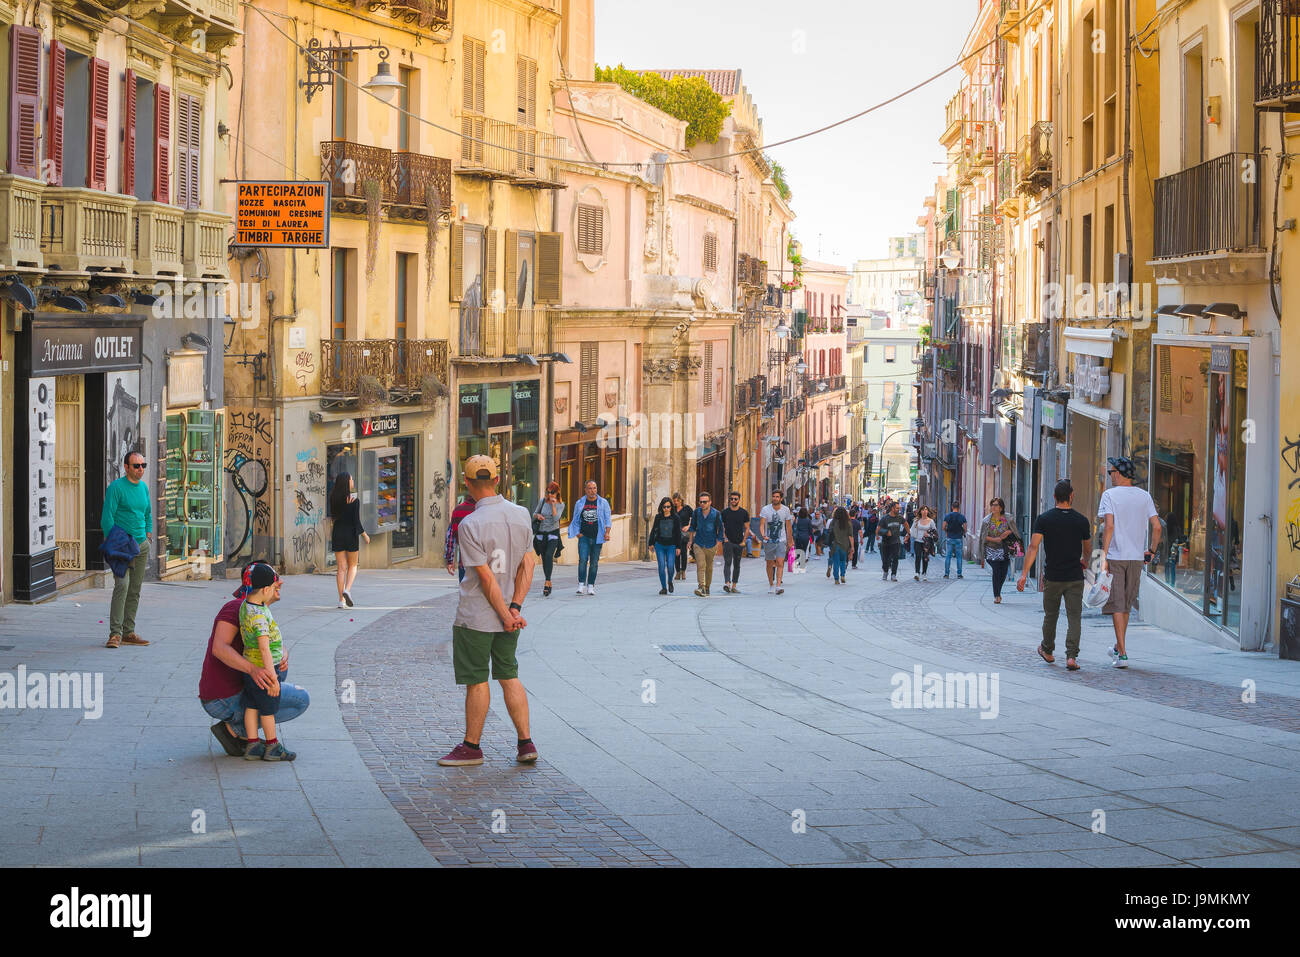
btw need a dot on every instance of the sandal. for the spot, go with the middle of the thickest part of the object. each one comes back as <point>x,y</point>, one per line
<point>546,591</point>
<point>114,641</point>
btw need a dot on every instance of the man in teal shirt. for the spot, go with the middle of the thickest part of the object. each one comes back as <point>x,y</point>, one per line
<point>126,505</point>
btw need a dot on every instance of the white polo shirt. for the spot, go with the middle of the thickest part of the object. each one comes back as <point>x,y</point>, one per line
<point>497,534</point>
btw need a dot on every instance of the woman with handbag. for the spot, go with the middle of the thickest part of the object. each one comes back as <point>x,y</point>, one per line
<point>999,538</point>
<point>925,539</point>
<point>546,532</point>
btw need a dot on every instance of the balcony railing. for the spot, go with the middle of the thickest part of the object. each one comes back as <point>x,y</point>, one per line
<point>157,239</point>
<point>952,121</point>
<point>1035,158</point>
<point>841,444</point>
<point>427,13</point>
<point>1213,207</point>
<point>1009,15</point>
<point>350,166</point>
<point>1277,68</point>
<point>20,221</point>
<point>420,180</point>
<point>404,368</point>
<point>487,333</point>
<point>975,289</point>
<point>499,150</point>
<point>84,230</point>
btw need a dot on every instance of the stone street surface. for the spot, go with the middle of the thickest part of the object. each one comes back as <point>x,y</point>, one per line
<point>747,730</point>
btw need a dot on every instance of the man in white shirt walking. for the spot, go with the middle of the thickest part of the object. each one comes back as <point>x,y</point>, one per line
<point>774,529</point>
<point>1128,512</point>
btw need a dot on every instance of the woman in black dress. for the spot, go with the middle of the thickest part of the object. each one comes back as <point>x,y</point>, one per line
<point>345,536</point>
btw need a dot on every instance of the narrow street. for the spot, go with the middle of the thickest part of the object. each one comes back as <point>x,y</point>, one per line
<point>748,730</point>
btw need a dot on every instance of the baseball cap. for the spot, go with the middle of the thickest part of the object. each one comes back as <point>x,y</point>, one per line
<point>480,467</point>
<point>256,575</point>
<point>1123,466</point>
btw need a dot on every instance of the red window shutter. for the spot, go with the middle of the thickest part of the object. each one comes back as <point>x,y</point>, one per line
<point>162,156</point>
<point>97,169</point>
<point>128,139</point>
<point>54,142</point>
<point>24,99</point>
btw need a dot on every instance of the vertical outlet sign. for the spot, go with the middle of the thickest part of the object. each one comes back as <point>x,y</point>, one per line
<point>40,452</point>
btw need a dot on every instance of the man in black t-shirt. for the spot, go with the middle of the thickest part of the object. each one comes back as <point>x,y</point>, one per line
<point>1065,536</point>
<point>890,533</point>
<point>736,533</point>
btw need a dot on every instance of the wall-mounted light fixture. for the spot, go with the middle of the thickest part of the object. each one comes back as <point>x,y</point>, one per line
<point>324,63</point>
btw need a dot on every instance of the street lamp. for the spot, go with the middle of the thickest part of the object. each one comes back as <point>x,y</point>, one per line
<point>324,63</point>
<point>951,258</point>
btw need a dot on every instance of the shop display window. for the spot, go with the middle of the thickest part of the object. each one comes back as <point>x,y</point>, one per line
<point>193,496</point>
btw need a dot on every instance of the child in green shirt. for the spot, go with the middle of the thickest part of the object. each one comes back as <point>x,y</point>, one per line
<point>263,647</point>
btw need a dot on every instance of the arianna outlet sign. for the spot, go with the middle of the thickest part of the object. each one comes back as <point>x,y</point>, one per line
<point>59,348</point>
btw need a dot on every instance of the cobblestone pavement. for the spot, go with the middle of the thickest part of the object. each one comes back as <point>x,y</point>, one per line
<point>409,712</point>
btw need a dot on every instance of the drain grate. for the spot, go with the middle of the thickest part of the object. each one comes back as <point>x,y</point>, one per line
<point>685,648</point>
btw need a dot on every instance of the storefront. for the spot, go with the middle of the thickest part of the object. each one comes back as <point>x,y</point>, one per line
<point>1203,460</point>
<point>501,419</point>
<point>1094,415</point>
<point>194,455</point>
<point>79,378</point>
<point>385,467</point>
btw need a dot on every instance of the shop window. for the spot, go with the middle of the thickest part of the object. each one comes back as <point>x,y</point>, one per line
<point>578,462</point>
<point>193,496</point>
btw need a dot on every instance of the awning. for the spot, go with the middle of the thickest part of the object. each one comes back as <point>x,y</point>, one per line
<point>1091,342</point>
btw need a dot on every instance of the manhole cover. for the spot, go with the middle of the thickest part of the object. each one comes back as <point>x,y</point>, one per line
<point>685,648</point>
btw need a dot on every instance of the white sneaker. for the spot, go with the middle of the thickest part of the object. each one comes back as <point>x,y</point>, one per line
<point>582,588</point>
<point>591,590</point>
<point>343,604</point>
<point>771,589</point>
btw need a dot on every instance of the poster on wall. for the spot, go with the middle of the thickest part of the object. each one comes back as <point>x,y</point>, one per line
<point>40,461</point>
<point>122,429</point>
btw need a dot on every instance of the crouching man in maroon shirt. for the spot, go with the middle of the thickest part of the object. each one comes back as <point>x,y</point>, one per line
<point>220,686</point>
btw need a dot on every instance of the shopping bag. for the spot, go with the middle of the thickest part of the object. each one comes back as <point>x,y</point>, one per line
<point>1096,588</point>
<point>789,560</point>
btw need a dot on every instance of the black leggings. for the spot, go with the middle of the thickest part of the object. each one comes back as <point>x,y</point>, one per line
<point>683,554</point>
<point>921,555</point>
<point>550,546</point>
<point>999,575</point>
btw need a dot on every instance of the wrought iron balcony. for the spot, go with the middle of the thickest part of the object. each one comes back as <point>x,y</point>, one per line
<point>1035,158</point>
<point>427,13</point>
<point>497,334</point>
<point>352,167</point>
<point>406,183</point>
<point>422,181</point>
<point>1213,207</point>
<point>1277,65</point>
<point>402,369</point>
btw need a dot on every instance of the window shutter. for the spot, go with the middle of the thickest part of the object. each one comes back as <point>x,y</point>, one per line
<point>710,252</point>
<point>97,170</point>
<point>162,156</point>
<point>456,279</point>
<point>189,117</point>
<point>467,75</point>
<point>587,373</point>
<point>490,271</point>
<point>709,373</point>
<point>24,99</point>
<point>480,86</point>
<point>550,268</point>
<point>526,91</point>
<point>54,126</point>
<point>512,266</point>
<point>591,229</point>
<point>128,135</point>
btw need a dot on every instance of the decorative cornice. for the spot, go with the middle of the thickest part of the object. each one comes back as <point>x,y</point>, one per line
<point>670,369</point>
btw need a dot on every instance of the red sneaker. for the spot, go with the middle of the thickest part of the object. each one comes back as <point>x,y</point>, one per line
<point>462,755</point>
<point>527,753</point>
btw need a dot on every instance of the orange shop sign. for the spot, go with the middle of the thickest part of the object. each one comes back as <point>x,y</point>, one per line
<point>292,214</point>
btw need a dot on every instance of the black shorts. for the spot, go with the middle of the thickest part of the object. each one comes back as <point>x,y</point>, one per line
<point>255,697</point>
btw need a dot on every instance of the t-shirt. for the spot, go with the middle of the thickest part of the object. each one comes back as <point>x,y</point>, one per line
<point>707,528</point>
<point>952,524</point>
<point>498,534</point>
<point>1133,511</point>
<point>890,529</point>
<point>254,622</point>
<point>1065,533</point>
<point>589,519</point>
<point>735,521</point>
<point>218,679</point>
<point>776,519</point>
<point>664,529</point>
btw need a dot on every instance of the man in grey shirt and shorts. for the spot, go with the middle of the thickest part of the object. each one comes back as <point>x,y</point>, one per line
<point>774,529</point>
<point>496,542</point>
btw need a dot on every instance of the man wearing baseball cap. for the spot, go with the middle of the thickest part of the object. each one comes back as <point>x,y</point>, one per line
<point>1128,511</point>
<point>496,542</point>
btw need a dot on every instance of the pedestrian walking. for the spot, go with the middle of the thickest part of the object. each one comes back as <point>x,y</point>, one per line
<point>890,534</point>
<point>546,532</point>
<point>126,520</point>
<point>855,521</point>
<point>221,681</point>
<point>263,648</point>
<point>954,530</point>
<point>592,519</point>
<point>998,535</point>
<point>818,528</point>
<point>735,525</point>
<point>704,536</point>
<point>684,513</point>
<point>1065,536</point>
<point>841,542</point>
<point>802,534</point>
<point>774,522</point>
<point>1128,512</point>
<point>452,552</point>
<point>346,535</point>
<point>869,528</point>
<point>665,540</point>
<point>924,533</point>
<point>494,543</point>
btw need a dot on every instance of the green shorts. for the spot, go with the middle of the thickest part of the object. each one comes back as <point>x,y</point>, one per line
<point>471,652</point>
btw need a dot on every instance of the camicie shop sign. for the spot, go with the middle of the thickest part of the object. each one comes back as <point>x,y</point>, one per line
<point>283,215</point>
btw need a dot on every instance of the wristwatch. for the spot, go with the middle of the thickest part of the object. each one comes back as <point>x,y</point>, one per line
<point>515,606</point>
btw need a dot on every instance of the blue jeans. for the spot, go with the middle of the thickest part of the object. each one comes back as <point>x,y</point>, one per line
<point>954,548</point>
<point>839,562</point>
<point>666,555</point>
<point>293,702</point>
<point>588,559</point>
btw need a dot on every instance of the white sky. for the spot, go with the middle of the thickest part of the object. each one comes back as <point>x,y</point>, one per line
<point>856,185</point>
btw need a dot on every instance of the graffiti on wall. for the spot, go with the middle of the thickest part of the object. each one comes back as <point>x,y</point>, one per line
<point>304,367</point>
<point>248,465</point>
<point>309,506</point>
<point>1291,473</point>
<point>437,490</point>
